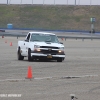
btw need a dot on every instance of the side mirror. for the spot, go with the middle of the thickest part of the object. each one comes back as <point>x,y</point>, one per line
<point>27,40</point>
<point>61,43</point>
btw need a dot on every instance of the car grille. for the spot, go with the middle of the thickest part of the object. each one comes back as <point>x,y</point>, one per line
<point>49,47</point>
<point>53,52</point>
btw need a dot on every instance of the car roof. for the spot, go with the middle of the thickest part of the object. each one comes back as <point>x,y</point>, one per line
<point>41,33</point>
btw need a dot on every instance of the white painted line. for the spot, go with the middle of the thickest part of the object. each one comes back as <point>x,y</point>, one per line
<point>79,76</point>
<point>12,80</point>
<point>41,78</point>
<point>15,79</point>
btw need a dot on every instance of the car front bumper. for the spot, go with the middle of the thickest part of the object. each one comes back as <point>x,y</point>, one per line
<point>46,55</point>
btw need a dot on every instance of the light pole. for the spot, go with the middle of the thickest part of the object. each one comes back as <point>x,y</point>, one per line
<point>32,2</point>
<point>79,2</point>
<point>75,2</point>
<point>43,2</point>
<point>90,2</point>
<point>54,2</point>
<point>67,2</point>
<point>7,2</point>
<point>21,1</point>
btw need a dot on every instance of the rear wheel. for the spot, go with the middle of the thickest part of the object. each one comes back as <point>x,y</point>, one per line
<point>20,57</point>
<point>29,55</point>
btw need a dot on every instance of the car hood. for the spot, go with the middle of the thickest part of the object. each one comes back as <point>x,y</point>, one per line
<point>47,44</point>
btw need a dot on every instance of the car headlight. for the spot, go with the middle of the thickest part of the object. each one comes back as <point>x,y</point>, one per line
<point>38,50</point>
<point>60,51</point>
<point>61,48</point>
<point>36,46</point>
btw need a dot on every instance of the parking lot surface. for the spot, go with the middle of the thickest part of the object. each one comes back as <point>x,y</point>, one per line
<point>78,74</point>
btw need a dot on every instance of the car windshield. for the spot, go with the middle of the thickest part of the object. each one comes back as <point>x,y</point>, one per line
<point>44,38</point>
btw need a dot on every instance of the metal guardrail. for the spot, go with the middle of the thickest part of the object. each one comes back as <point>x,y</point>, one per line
<point>12,34</point>
<point>78,37</point>
<point>63,37</point>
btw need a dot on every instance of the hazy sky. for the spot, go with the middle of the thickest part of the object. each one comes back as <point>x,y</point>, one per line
<point>64,2</point>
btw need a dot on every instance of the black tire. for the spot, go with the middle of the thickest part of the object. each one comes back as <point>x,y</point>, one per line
<point>59,60</point>
<point>29,55</point>
<point>20,57</point>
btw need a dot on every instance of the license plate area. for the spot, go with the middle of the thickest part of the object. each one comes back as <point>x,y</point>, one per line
<point>49,56</point>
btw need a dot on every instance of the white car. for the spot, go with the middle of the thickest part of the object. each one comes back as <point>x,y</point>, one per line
<point>41,46</point>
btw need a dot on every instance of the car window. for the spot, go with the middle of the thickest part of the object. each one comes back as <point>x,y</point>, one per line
<point>44,38</point>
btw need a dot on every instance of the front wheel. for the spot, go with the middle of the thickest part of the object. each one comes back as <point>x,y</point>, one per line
<point>20,57</point>
<point>29,55</point>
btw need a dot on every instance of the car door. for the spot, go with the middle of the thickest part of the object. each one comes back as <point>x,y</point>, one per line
<point>25,45</point>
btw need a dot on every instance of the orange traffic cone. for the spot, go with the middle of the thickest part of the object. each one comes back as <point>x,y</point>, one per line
<point>2,36</point>
<point>10,43</point>
<point>29,74</point>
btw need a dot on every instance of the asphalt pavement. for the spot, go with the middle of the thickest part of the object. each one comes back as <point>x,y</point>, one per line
<point>78,74</point>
